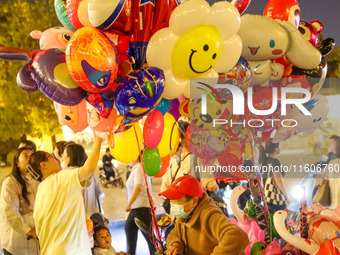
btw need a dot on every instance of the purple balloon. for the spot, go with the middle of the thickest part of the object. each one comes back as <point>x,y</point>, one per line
<point>46,70</point>
<point>174,111</point>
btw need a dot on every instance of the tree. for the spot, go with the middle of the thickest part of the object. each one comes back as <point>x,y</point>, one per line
<point>22,112</point>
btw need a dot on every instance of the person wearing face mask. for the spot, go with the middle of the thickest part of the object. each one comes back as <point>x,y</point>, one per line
<point>74,156</point>
<point>59,213</point>
<point>201,228</point>
<point>16,208</point>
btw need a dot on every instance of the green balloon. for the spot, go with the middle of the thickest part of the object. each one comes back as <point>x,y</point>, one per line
<point>152,161</point>
<point>62,15</point>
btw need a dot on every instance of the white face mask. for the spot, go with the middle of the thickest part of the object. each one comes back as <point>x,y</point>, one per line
<point>178,211</point>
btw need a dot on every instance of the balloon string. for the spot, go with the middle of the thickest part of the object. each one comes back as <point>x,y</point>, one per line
<point>154,226</point>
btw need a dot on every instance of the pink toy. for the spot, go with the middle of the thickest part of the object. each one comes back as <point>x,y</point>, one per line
<point>320,229</point>
<point>273,249</point>
<point>55,37</point>
<point>251,227</point>
<point>72,116</point>
<point>330,214</point>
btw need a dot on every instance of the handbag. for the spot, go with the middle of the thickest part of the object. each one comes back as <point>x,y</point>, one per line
<point>273,194</point>
<point>323,193</point>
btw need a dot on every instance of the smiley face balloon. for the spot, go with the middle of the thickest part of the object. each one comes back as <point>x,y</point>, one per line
<point>200,41</point>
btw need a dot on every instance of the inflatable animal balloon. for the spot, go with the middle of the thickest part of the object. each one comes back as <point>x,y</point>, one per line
<point>308,246</point>
<point>54,37</point>
<point>200,41</point>
<point>311,30</point>
<point>46,70</point>
<point>251,227</point>
<point>286,10</point>
<point>74,117</point>
<point>265,40</point>
<point>320,229</point>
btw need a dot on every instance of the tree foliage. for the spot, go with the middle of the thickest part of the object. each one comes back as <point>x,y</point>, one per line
<point>22,112</point>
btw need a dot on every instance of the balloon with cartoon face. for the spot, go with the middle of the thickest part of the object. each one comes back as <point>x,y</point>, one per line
<point>74,117</point>
<point>286,10</point>
<point>46,70</point>
<point>318,107</point>
<point>54,37</point>
<point>200,41</point>
<point>311,30</point>
<point>140,92</point>
<point>92,60</point>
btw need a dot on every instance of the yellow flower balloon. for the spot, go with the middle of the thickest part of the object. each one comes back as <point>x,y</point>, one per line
<point>200,42</point>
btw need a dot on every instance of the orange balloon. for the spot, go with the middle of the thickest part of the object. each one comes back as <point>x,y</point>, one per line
<point>165,165</point>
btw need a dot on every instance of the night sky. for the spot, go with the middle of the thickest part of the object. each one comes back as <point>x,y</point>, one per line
<point>325,11</point>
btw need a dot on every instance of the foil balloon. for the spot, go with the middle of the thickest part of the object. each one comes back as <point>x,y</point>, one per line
<point>240,76</point>
<point>286,10</point>
<point>54,37</point>
<point>164,105</point>
<point>184,108</point>
<point>152,161</point>
<point>78,13</point>
<point>111,15</point>
<point>200,41</point>
<point>61,11</point>
<point>163,10</point>
<point>98,123</point>
<point>92,60</point>
<point>74,117</point>
<point>165,166</point>
<point>46,70</point>
<point>170,138</point>
<point>142,12</point>
<point>153,129</point>
<point>140,93</point>
<point>174,111</point>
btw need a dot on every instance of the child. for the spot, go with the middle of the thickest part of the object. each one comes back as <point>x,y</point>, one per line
<point>102,242</point>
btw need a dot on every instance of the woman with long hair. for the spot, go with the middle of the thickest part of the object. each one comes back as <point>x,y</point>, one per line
<point>17,229</point>
<point>59,213</point>
<point>276,195</point>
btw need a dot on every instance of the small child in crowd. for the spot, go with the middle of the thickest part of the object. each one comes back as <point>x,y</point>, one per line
<point>102,242</point>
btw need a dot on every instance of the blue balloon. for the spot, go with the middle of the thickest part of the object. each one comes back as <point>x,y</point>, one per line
<point>164,106</point>
<point>140,93</point>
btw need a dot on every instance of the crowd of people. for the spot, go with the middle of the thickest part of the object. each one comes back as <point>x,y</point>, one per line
<point>45,200</point>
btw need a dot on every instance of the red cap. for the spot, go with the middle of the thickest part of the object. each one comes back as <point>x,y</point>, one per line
<point>182,186</point>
